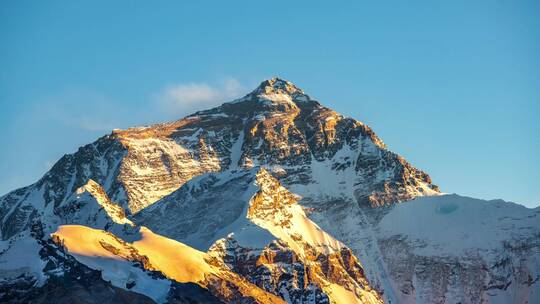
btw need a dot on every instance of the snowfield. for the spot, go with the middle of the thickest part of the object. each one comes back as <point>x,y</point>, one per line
<point>453,224</point>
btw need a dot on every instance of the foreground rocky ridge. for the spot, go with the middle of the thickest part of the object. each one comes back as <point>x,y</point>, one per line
<point>261,189</point>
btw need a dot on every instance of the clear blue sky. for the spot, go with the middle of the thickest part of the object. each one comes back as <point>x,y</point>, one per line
<point>453,86</point>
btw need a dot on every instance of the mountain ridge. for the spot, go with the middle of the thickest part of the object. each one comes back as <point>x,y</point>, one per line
<point>265,186</point>
<point>181,152</point>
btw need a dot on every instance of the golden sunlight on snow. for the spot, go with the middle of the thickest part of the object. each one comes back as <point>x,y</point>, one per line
<point>85,241</point>
<point>338,295</point>
<point>176,260</point>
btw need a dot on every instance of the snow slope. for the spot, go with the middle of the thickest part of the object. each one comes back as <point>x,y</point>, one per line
<point>103,251</point>
<point>453,224</point>
<point>464,249</point>
<point>118,261</point>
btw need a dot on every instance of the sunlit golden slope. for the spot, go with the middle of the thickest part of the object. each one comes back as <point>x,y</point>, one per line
<point>157,253</point>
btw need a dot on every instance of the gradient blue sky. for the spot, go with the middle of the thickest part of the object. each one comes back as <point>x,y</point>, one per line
<point>452,86</point>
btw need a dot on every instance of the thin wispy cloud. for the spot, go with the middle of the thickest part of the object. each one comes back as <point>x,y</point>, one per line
<point>186,98</point>
<point>101,113</point>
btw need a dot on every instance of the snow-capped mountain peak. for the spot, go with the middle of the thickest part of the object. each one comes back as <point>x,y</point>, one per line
<point>276,91</point>
<point>278,199</point>
<point>278,86</point>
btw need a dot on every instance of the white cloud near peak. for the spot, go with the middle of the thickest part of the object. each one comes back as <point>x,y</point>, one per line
<point>186,98</point>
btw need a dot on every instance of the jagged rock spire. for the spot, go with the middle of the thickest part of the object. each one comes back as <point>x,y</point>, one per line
<point>278,86</point>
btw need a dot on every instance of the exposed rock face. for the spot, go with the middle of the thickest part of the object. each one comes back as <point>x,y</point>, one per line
<point>280,270</point>
<point>66,290</point>
<point>90,205</point>
<point>189,293</point>
<point>99,162</point>
<point>276,124</point>
<point>276,269</point>
<point>277,198</point>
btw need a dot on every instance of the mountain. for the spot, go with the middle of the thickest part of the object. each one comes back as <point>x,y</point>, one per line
<point>270,198</point>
